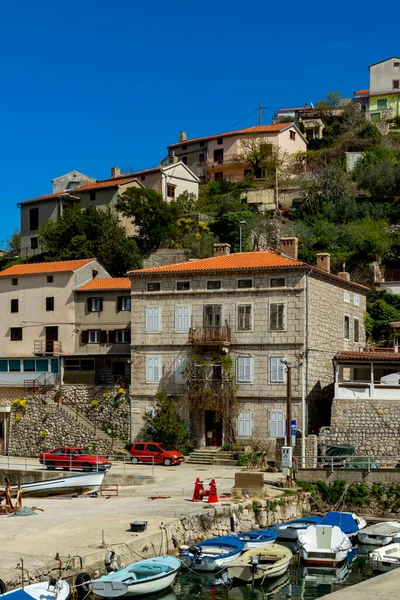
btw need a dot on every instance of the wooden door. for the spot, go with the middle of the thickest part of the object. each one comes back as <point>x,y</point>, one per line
<point>213,428</point>
<point>51,337</point>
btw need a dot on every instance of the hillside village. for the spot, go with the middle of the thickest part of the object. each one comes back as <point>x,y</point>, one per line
<point>242,259</point>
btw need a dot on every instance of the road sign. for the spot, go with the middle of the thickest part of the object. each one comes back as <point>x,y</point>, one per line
<point>293,428</point>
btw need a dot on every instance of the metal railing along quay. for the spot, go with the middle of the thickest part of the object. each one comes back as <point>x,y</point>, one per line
<point>348,462</point>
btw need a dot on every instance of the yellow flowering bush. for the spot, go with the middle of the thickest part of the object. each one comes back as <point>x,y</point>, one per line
<point>18,417</point>
<point>94,403</point>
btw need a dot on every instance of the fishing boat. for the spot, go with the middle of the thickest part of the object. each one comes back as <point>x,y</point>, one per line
<point>385,559</point>
<point>289,530</point>
<point>349,523</point>
<point>79,483</point>
<point>54,589</point>
<point>265,562</point>
<point>323,545</point>
<point>142,578</point>
<point>257,538</point>
<point>379,534</point>
<point>213,554</point>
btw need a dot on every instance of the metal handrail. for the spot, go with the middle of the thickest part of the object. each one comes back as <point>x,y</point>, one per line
<point>336,463</point>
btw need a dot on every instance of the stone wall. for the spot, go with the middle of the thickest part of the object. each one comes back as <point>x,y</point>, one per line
<point>372,426</point>
<point>164,256</point>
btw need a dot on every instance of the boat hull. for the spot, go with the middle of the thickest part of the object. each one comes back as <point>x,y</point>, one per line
<point>323,546</point>
<point>385,559</point>
<point>208,563</point>
<point>116,589</point>
<point>40,591</point>
<point>72,484</point>
<point>245,573</point>
<point>323,561</point>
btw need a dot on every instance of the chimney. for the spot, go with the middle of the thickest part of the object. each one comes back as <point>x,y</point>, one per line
<point>289,247</point>
<point>344,275</point>
<point>172,158</point>
<point>115,172</point>
<point>182,136</point>
<point>324,261</point>
<point>222,249</point>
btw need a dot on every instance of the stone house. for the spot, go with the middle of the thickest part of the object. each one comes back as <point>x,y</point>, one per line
<point>216,157</point>
<point>260,308</point>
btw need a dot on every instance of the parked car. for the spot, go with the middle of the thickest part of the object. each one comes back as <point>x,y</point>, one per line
<point>67,458</point>
<point>145,452</point>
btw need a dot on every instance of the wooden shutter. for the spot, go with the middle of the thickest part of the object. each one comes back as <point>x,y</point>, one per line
<point>128,335</point>
<point>103,337</point>
<point>240,424</point>
<point>119,303</point>
<point>153,318</point>
<point>153,368</point>
<point>89,304</point>
<point>85,337</point>
<point>111,337</point>
<point>277,424</point>
<point>101,304</point>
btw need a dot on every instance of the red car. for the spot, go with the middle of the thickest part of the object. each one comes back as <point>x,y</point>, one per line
<point>67,458</point>
<point>147,451</point>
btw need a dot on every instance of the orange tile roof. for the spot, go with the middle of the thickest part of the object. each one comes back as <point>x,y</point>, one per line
<point>275,127</point>
<point>48,267</point>
<point>361,93</point>
<point>114,182</point>
<point>106,283</point>
<point>373,355</point>
<point>227,262</point>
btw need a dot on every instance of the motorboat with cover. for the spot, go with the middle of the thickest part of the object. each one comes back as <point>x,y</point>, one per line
<point>386,558</point>
<point>289,530</point>
<point>379,534</point>
<point>213,554</point>
<point>139,579</point>
<point>265,562</point>
<point>257,538</point>
<point>323,545</point>
<point>349,523</point>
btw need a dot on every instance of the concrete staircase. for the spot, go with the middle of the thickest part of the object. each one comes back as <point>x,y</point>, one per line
<point>212,456</point>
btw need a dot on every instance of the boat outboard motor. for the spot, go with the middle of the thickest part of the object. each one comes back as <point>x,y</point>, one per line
<point>110,562</point>
<point>196,551</point>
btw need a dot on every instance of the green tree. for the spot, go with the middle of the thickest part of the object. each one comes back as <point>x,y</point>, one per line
<point>90,233</point>
<point>166,426</point>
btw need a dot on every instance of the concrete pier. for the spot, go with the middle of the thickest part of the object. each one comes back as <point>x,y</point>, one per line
<point>381,587</point>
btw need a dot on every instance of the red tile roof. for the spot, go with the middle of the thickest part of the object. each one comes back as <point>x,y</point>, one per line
<point>114,182</point>
<point>48,267</point>
<point>374,355</point>
<point>106,283</point>
<point>361,93</point>
<point>227,262</point>
<point>276,127</point>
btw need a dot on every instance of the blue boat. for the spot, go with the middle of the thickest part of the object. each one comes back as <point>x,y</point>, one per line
<point>256,538</point>
<point>213,554</point>
<point>349,523</point>
<point>139,579</point>
<point>289,530</point>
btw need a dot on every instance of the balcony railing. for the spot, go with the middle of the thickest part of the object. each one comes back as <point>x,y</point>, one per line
<point>110,379</point>
<point>47,347</point>
<point>210,335</point>
<point>392,275</point>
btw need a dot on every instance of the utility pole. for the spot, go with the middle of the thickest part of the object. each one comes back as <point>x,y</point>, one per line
<point>260,114</point>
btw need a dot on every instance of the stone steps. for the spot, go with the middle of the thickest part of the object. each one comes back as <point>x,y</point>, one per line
<point>205,456</point>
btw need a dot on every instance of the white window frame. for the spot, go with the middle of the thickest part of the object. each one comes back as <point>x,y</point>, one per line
<point>284,316</point>
<point>180,366</point>
<point>125,303</point>
<point>344,327</point>
<point>346,297</point>
<point>122,333</point>
<point>183,322</point>
<point>252,316</point>
<point>150,319</point>
<point>277,277</point>
<point>356,319</point>
<point>279,367</point>
<point>182,281</point>
<point>276,434</point>
<point>96,304</point>
<point>96,336</point>
<point>356,300</point>
<point>245,417</point>
<point>245,279</point>
<point>245,364</point>
<point>153,358</point>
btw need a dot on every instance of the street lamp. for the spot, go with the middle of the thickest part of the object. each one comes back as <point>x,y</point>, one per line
<point>240,234</point>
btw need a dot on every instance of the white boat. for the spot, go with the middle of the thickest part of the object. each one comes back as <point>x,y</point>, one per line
<point>379,534</point>
<point>265,562</point>
<point>323,545</point>
<point>43,590</point>
<point>349,523</point>
<point>385,559</point>
<point>79,483</point>
<point>289,530</point>
<point>139,579</point>
<point>213,554</point>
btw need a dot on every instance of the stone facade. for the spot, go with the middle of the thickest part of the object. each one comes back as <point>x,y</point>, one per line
<point>291,311</point>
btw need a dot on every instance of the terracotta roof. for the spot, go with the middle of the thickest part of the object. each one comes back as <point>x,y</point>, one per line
<point>106,283</point>
<point>48,267</point>
<point>361,93</point>
<point>395,324</point>
<point>227,262</point>
<point>373,355</point>
<point>48,196</point>
<point>276,127</point>
<point>114,182</point>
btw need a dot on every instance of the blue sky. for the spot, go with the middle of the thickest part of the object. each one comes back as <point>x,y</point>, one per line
<point>90,85</point>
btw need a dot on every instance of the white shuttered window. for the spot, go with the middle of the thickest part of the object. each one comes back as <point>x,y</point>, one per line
<point>182,318</point>
<point>153,369</point>
<point>245,424</point>
<point>180,366</point>
<point>276,370</point>
<point>153,318</point>
<point>277,423</point>
<point>245,369</point>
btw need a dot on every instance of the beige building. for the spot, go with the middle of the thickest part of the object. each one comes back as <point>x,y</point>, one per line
<point>218,156</point>
<point>260,308</point>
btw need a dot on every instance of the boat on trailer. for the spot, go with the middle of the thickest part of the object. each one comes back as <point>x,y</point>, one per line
<point>323,545</point>
<point>213,554</point>
<point>289,530</point>
<point>265,562</point>
<point>139,579</point>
